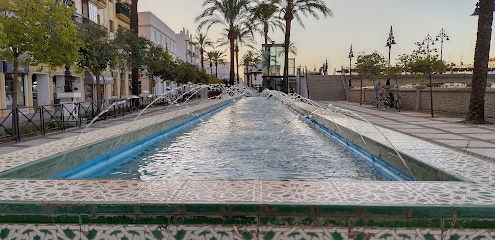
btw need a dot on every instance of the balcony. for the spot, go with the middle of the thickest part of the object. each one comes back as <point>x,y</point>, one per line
<point>123,12</point>
<point>100,3</point>
<point>82,20</point>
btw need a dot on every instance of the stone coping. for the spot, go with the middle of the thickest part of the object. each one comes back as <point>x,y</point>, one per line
<point>478,192</point>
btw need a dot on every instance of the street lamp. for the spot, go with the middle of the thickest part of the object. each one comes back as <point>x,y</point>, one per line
<point>390,42</point>
<point>351,55</point>
<point>428,40</point>
<point>442,35</point>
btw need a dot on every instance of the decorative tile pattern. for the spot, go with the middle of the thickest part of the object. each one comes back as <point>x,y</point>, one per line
<point>169,232</point>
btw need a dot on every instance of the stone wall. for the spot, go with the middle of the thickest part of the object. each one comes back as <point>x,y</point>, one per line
<point>448,100</point>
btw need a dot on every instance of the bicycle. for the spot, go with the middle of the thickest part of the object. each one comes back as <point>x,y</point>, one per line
<point>376,100</point>
<point>389,103</point>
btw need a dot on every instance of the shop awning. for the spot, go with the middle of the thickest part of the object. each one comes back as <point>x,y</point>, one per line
<point>104,79</point>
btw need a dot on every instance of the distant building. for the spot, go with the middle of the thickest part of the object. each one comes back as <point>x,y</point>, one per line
<point>179,45</point>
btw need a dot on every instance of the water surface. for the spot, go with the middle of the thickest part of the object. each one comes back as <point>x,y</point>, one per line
<point>255,138</point>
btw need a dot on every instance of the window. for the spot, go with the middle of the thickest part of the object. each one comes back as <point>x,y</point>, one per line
<point>9,89</point>
<point>93,12</point>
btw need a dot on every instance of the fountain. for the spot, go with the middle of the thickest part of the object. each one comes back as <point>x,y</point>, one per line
<point>452,200</point>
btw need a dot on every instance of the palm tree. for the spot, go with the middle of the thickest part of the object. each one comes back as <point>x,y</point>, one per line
<point>476,113</point>
<point>292,49</point>
<point>250,59</point>
<point>202,41</point>
<point>293,9</point>
<point>229,13</point>
<point>210,56</point>
<point>218,58</point>
<point>244,37</point>
<point>264,14</point>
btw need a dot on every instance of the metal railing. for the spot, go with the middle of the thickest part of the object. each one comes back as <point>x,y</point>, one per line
<point>26,122</point>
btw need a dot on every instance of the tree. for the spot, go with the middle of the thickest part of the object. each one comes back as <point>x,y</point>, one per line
<point>3,38</point>
<point>476,113</point>
<point>202,41</point>
<point>218,58</point>
<point>250,59</point>
<point>244,37</point>
<point>159,63</point>
<point>132,51</point>
<point>421,62</point>
<point>264,17</point>
<point>230,14</point>
<point>45,35</point>
<point>370,66</point>
<point>293,9</point>
<point>210,55</point>
<point>98,53</point>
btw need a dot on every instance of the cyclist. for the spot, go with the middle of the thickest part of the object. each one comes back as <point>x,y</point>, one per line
<point>379,90</point>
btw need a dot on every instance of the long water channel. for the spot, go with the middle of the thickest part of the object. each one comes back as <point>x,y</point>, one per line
<point>255,138</point>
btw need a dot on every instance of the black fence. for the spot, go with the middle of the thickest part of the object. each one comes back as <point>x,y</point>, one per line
<point>26,122</point>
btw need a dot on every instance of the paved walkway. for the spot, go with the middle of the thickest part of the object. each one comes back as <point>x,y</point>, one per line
<point>478,140</point>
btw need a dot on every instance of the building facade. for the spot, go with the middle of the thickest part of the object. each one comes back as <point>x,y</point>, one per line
<point>40,85</point>
<point>178,45</point>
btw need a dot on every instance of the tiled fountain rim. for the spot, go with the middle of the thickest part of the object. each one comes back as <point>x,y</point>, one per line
<point>479,193</point>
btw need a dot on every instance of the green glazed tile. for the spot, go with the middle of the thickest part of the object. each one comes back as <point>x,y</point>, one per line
<point>338,210</point>
<point>118,209</point>
<point>27,208</point>
<point>287,210</point>
<point>159,209</point>
<point>204,208</point>
<point>443,212</point>
<point>476,212</point>
<point>70,209</point>
<point>238,209</point>
<point>385,211</point>
<point>217,220</point>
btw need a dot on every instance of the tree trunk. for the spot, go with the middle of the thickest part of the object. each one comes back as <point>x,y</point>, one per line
<point>232,37</point>
<point>237,61</point>
<point>134,69</point>
<point>476,114</point>
<point>98,90</point>
<point>15,112</point>
<point>216,69</point>
<point>288,22</point>
<point>265,32</point>
<point>211,68</point>
<point>201,51</point>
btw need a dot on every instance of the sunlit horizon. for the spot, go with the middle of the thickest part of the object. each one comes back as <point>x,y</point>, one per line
<point>364,24</point>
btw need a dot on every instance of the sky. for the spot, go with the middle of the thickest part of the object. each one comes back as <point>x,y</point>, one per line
<point>363,23</point>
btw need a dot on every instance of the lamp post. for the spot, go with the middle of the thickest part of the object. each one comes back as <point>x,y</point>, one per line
<point>390,42</point>
<point>441,35</point>
<point>351,55</point>
<point>428,40</point>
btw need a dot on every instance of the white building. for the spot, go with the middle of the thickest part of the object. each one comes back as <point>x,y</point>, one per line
<point>154,29</point>
<point>178,45</point>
